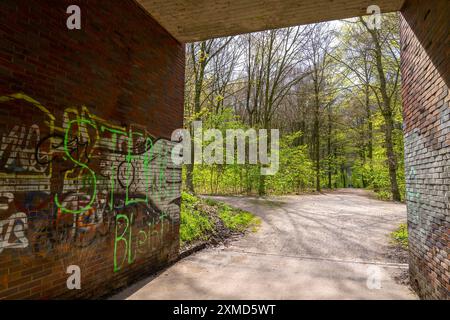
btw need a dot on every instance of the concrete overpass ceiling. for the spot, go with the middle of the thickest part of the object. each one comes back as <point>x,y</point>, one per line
<point>194,20</point>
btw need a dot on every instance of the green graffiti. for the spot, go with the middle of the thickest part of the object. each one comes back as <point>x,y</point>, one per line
<point>129,158</point>
<point>130,232</point>
<point>120,238</point>
<point>149,155</point>
<point>95,169</point>
<point>114,133</point>
<point>162,177</point>
<point>80,164</point>
<point>126,238</point>
<point>143,241</point>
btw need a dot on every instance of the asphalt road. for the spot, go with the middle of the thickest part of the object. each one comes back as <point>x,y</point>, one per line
<point>327,246</point>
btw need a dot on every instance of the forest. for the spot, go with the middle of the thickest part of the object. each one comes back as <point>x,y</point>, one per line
<point>333,91</point>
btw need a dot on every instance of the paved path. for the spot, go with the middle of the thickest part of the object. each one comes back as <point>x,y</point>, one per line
<point>328,246</point>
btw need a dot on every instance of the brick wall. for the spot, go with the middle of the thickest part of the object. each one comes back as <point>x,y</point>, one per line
<point>425,48</point>
<point>85,122</point>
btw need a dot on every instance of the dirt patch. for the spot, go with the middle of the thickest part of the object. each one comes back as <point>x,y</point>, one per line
<point>399,254</point>
<point>402,277</point>
<point>220,235</point>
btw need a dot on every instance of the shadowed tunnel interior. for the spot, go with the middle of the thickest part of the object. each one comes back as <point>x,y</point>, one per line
<point>86,116</point>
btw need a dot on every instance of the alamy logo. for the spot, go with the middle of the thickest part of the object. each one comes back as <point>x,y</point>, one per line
<point>190,149</point>
<point>74,20</point>
<point>74,281</point>
<point>374,21</point>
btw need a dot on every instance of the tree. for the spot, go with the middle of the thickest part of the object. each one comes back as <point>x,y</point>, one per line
<point>373,57</point>
<point>199,56</point>
<point>319,65</point>
<point>331,90</point>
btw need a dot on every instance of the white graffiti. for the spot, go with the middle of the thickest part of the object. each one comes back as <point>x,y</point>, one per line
<point>17,225</point>
<point>9,197</point>
<point>17,149</point>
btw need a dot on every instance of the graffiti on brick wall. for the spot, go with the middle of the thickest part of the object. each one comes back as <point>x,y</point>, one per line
<point>136,235</point>
<point>73,178</point>
<point>16,225</point>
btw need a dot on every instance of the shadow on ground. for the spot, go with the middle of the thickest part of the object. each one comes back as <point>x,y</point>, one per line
<point>321,246</point>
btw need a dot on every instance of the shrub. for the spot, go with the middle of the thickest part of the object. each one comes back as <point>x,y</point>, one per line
<point>194,225</point>
<point>198,216</point>
<point>400,236</point>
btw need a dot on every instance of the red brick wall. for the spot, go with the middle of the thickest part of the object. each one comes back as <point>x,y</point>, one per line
<point>425,72</point>
<point>85,172</point>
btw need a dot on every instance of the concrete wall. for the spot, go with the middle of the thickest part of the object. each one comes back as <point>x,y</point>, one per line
<point>425,71</point>
<point>86,176</point>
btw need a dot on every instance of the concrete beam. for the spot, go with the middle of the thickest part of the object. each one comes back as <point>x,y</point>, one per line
<point>194,20</point>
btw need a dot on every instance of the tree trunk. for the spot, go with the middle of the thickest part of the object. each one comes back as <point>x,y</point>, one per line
<point>392,160</point>
<point>189,177</point>
<point>316,137</point>
<point>329,148</point>
<point>262,185</point>
<point>199,77</point>
<point>387,114</point>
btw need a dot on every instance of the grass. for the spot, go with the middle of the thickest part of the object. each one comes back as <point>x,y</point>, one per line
<point>194,224</point>
<point>197,218</point>
<point>384,195</point>
<point>400,236</point>
<point>238,220</point>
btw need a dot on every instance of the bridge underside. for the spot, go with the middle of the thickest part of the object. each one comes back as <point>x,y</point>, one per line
<point>117,85</point>
<point>194,20</point>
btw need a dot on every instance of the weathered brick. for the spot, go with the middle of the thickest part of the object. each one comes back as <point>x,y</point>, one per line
<point>119,81</point>
<point>425,76</point>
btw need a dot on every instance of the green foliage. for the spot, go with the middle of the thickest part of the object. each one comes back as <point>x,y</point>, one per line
<point>237,220</point>
<point>384,194</point>
<point>295,175</point>
<point>212,202</point>
<point>197,224</point>
<point>218,178</point>
<point>188,199</point>
<point>376,172</point>
<point>194,225</point>
<point>356,127</point>
<point>400,236</point>
<point>296,169</point>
